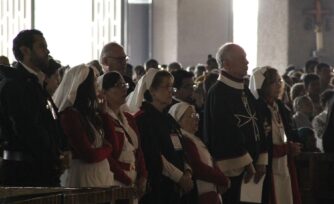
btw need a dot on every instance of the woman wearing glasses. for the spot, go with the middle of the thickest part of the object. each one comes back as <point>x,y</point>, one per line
<point>127,161</point>
<point>162,141</point>
<point>210,180</point>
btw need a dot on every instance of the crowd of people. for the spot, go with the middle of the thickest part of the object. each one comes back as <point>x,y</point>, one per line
<point>175,134</point>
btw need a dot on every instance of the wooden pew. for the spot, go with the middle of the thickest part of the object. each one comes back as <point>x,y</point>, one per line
<point>316,177</point>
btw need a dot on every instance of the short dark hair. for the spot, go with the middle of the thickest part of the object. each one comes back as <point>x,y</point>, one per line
<point>156,83</point>
<point>200,68</point>
<point>209,80</point>
<point>326,96</point>
<point>110,79</point>
<point>139,70</point>
<point>270,77</point>
<point>24,38</point>
<point>319,67</point>
<point>179,75</point>
<point>52,67</point>
<point>310,64</point>
<point>212,63</point>
<point>151,63</point>
<point>174,66</point>
<point>308,78</point>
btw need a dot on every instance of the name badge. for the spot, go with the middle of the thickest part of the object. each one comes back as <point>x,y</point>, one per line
<point>176,142</point>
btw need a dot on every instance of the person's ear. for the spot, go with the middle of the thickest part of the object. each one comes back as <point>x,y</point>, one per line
<point>226,64</point>
<point>104,61</point>
<point>152,92</point>
<point>25,50</point>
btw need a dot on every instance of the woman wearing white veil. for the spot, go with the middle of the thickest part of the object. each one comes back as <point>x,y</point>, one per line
<point>210,180</point>
<point>169,178</point>
<point>280,184</point>
<point>127,161</point>
<point>77,103</point>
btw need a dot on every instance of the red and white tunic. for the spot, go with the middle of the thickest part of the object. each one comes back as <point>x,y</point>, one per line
<point>280,169</point>
<point>89,166</point>
<point>127,161</point>
<point>207,174</point>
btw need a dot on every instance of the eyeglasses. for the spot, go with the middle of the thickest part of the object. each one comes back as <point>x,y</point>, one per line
<point>194,115</point>
<point>122,85</point>
<point>278,81</point>
<point>119,59</point>
<point>190,87</point>
<point>169,88</point>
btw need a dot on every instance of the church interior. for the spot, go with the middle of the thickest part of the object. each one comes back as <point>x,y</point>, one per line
<point>283,34</point>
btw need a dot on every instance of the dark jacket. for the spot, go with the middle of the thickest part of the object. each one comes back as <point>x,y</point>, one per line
<point>29,128</point>
<point>156,129</point>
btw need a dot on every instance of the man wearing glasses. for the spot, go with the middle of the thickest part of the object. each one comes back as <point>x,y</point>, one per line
<point>113,58</point>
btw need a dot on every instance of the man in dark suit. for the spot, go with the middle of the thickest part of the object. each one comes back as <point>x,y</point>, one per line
<point>31,135</point>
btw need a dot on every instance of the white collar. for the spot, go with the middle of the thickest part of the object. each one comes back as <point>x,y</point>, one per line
<point>39,74</point>
<point>230,82</point>
<point>176,99</point>
<point>123,121</point>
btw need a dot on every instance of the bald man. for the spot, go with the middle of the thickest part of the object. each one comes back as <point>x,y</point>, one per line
<point>231,122</point>
<point>113,58</point>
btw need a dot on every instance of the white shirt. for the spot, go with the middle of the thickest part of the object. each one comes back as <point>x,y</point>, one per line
<point>39,74</point>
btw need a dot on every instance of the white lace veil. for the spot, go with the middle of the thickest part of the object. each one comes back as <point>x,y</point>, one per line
<point>66,92</point>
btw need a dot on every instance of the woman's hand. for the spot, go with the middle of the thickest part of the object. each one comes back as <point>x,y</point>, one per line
<point>186,182</point>
<point>249,172</point>
<point>294,148</point>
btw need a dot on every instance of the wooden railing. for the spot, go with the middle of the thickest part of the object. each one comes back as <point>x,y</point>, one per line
<point>30,195</point>
<point>315,176</point>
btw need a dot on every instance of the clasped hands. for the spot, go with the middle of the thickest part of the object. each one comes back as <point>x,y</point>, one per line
<point>258,172</point>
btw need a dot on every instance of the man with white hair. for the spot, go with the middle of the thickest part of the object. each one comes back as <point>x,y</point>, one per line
<point>235,139</point>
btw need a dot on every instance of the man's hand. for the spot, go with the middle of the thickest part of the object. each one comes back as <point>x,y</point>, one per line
<point>250,171</point>
<point>260,172</point>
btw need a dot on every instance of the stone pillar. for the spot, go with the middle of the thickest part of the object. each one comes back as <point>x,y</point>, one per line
<point>273,33</point>
<point>138,32</point>
<point>188,30</point>
<point>164,30</point>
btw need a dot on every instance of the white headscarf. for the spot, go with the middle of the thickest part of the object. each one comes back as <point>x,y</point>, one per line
<point>99,82</point>
<point>256,80</point>
<point>136,97</point>
<point>66,92</point>
<point>178,110</point>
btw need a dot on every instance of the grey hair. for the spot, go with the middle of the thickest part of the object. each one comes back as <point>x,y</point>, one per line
<point>300,101</point>
<point>224,52</point>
